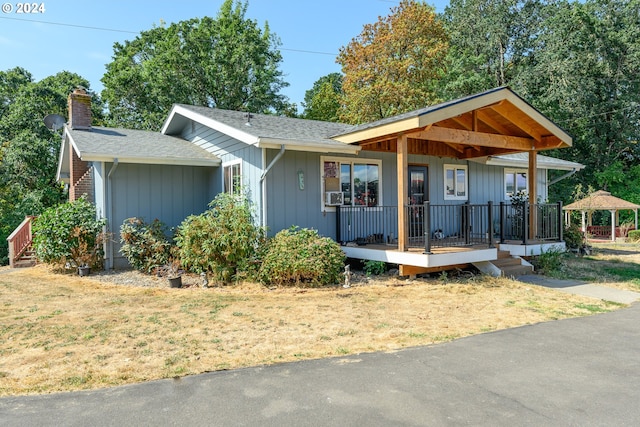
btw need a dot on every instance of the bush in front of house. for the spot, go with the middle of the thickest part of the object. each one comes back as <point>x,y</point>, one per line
<point>300,257</point>
<point>633,236</point>
<point>70,235</point>
<point>145,245</point>
<point>573,237</point>
<point>224,240</point>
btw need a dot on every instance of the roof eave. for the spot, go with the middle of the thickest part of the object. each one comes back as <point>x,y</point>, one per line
<point>232,131</point>
<point>310,147</point>
<point>169,161</point>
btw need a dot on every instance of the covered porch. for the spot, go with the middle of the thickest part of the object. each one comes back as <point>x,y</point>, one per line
<point>440,232</point>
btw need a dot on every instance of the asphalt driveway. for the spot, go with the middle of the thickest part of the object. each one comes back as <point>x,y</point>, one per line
<point>583,371</point>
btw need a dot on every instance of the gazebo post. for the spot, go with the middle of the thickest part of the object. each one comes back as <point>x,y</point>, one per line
<point>613,225</point>
<point>584,226</point>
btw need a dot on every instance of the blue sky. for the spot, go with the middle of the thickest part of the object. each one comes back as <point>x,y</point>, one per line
<point>78,36</point>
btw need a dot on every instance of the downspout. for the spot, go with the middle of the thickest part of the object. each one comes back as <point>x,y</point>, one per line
<point>263,180</point>
<point>109,208</point>
<point>566,175</point>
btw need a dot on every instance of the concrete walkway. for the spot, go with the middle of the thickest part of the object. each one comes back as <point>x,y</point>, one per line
<point>576,287</point>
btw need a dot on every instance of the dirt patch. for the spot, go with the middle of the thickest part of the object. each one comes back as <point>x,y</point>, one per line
<point>64,332</point>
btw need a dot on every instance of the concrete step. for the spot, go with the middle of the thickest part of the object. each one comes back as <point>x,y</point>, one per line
<point>23,263</point>
<point>516,270</point>
<point>506,262</point>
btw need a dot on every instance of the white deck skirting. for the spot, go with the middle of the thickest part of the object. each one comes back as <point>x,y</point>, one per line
<point>419,259</point>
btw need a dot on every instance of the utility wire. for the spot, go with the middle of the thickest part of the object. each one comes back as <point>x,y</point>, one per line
<point>87,27</point>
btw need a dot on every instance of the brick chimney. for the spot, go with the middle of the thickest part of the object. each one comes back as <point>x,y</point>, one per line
<point>79,109</point>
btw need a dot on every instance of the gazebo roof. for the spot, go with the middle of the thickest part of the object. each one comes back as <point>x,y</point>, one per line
<point>600,200</point>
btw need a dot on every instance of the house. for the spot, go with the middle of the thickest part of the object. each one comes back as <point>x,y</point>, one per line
<point>427,190</point>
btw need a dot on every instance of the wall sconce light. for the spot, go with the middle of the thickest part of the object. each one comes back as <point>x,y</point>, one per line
<point>300,179</point>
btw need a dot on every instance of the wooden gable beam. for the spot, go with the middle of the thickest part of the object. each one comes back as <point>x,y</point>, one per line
<point>480,139</point>
<point>510,113</point>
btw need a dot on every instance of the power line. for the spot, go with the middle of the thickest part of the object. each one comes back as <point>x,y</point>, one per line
<point>88,27</point>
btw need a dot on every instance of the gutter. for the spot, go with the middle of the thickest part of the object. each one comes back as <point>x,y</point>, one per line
<point>109,208</point>
<point>566,175</point>
<point>273,162</point>
<point>263,180</point>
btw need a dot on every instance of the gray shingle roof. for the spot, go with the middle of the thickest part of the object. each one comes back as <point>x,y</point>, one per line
<point>127,145</point>
<point>276,128</point>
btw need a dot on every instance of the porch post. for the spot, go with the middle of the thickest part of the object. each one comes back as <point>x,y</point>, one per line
<point>560,225</point>
<point>490,219</point>
<point>503,220</point>
<point>426,227</point>
<point>402,165</point>
<point>533,192</point>
<point>525,222</point>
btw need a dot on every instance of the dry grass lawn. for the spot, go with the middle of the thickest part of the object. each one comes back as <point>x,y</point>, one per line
<point>63,332</point>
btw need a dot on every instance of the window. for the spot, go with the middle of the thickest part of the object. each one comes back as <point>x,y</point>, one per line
<point>232,178</point>
<point>357,179</point>
<point>514,181</point>
<point>455,182</point>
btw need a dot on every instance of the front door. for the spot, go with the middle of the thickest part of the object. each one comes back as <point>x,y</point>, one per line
<point>418,194</point>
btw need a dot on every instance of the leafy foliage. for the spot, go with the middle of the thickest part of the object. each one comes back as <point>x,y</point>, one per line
<point>224,240</point>
<point>28,150</point>
<point>322,102</point>
<point>70,234</point>
<point>634,236</point>
<point>374,268</point>
<point>301,257</point>
<point>145,245</point>
<point>227,62</point>
<point>394,65</point>
<point>573,237</point>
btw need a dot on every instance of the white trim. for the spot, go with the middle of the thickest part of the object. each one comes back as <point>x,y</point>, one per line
<point>231,131</point>
<point>224,167</point>
<point>514,171</point>
<point>455,168</point>
<point>351,161</point>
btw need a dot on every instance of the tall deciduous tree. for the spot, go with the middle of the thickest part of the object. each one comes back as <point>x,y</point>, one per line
<point>227,62</point>
<point>322,101</point>
<point>584,74</point>
<point>28,150</point>
<point>488,40</point>
<point>394,65</point>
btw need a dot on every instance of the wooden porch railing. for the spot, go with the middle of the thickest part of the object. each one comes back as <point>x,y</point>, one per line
<point>20,240</point>
<point>430,225</point>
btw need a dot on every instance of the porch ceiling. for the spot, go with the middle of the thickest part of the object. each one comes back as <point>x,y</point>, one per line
<point>494,123</point>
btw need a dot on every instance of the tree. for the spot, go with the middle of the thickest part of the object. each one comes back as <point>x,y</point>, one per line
<point>227,62</point>
<point>322,101</point>
<point>488,40</point>
<point>394,65</point>
<point>28,150</point>
<point>583,74</point>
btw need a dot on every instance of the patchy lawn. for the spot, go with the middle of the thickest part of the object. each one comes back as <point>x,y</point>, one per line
<point>63,332</point>
<point>610,264</point>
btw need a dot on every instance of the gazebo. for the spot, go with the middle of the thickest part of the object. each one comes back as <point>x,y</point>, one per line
<point>601,201</point>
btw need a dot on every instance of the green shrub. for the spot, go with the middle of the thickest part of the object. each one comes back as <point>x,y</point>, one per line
<point>573,236</point>
<point>633,236</point>
<point>549,262</point>
<point>299,256</point>
<point>70,235</point>
<point>224,240</point>
<point>145,246</point>
<point>374,268</point>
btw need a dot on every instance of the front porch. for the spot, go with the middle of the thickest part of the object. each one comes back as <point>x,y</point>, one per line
<point>440,237</point>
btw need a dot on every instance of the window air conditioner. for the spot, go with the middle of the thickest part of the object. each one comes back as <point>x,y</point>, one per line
<point>333,198</point>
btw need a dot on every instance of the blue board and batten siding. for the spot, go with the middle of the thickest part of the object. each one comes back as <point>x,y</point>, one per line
<point>165,192</point>
<point>229,150</point>
<point>284,204</point>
